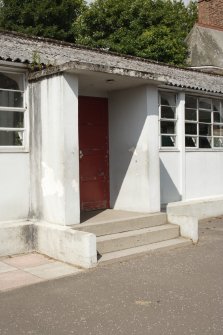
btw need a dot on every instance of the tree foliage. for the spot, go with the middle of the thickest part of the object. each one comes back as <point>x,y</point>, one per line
<point>154,29</point>
<point>48,18</point>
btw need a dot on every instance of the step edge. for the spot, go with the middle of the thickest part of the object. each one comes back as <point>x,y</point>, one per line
<point>84,225</point>
<point>144,249</point>
<point>131,233</point>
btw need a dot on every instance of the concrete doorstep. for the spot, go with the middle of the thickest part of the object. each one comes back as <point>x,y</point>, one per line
<point>128,234</point>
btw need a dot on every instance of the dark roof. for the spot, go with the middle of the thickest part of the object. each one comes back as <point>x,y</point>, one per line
<point>21,48</point>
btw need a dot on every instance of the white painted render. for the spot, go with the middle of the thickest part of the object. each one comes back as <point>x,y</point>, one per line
<point>14,186</point>
<point>60,242</point>
<point>66,244</point>
<point>55,197</point>
<point>60,154</point>
<point>202,208</point>
<point>134,149</point>
<point>16,238</point>
<point>170,176</point>
<point>189,174</point>
<point>201,175</point>
<point>204,172</point>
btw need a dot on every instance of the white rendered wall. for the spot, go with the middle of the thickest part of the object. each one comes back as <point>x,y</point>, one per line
<point>170,176</point>
<point>204,174</point>
<point>14,186</point>
<point>134,150</point>
<point>58,153</point>
<point>187,175</point>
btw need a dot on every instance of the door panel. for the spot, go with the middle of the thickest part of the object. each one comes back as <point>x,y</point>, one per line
<point>94,160</point>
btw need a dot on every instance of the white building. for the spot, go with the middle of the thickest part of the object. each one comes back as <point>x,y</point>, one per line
<point>98,130</point>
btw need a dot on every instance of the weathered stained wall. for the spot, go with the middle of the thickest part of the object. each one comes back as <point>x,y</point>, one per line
<point>55,156</point>
<point>133,140</point>
<point>205,47</point>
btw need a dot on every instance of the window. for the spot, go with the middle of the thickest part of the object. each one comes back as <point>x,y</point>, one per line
<point>12,109</point>
<point>203,122</point>
<point>167,116</point>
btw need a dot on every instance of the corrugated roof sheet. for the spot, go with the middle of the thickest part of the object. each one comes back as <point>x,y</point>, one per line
<point>20,48</point>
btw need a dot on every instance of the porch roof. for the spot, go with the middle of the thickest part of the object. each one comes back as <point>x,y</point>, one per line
<point>66,57</point>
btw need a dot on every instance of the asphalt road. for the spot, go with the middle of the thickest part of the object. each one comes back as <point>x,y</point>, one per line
<point>175,292</point>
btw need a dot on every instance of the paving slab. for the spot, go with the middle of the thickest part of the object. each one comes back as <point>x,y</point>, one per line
<point>9,280</point>
<point>27,269</point>
<point>53,270</point>
<point>6,268</point>
<point>28,260</point>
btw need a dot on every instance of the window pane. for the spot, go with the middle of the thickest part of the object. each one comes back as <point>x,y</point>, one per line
<point>205,103</point>
<point>11,99</point>
<point>191,142</point>
<point>11,119</point>
<point>11,81</point>
<point>204,129</point>
<point>167,112</point>
<point>11,138</point>
<point>218,117</point>
<point>168,99</point>
<point>204,142</point>
<point>218,130</point>
<point>168,141</point>
<point>191,115</point>
<point>190,102</point>
<point>167,127</point>
<point>204,116</point>
<point>216,105</point>
<point>191,128</point>
<point>218,142</point>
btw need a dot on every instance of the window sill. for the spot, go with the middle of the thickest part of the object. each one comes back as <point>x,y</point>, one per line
<point>204,150</point>
<point>169,150</point>
<point>14,150</point>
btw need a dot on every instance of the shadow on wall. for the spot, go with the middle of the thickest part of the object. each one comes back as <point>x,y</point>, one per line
<point>128,150</point>
<point>168,189</point>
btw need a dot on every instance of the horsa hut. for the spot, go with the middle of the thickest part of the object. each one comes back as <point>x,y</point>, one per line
<point>103,155</point>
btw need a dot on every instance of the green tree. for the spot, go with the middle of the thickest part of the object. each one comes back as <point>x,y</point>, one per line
<point>154,29</point>
<point>47,18</point>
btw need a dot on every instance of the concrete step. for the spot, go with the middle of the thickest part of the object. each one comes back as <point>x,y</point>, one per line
<point>158,246</point>
<point>136,238</point>
<point>113,226</point>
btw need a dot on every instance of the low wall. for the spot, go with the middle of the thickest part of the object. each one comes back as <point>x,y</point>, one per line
<point>186,214</point>
<point>66,244</point>
<point>59,242</point>
<point>200,208</point>
<point>16,238</point>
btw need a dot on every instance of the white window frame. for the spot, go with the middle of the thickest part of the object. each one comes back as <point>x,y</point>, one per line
<point>197,122</point>
<point>24,110</point>
<point>175,121</point>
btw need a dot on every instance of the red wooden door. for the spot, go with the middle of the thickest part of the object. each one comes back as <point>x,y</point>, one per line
<point>94,160</point>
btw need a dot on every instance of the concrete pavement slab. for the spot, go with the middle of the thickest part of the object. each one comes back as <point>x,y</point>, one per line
<point>18,278</point>
<point>28,260</point>
<point>53,270</point>
<point>6,268</point>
